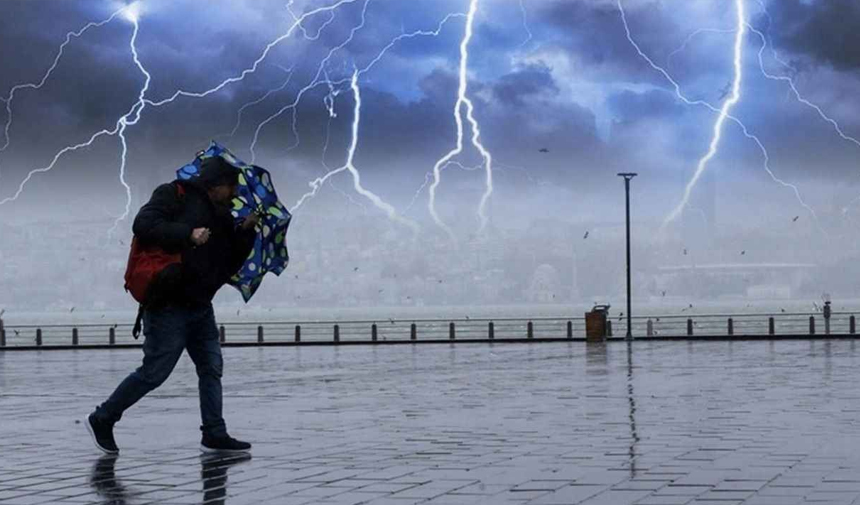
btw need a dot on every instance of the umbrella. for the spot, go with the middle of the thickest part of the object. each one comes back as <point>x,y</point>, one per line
<point>256,195</point>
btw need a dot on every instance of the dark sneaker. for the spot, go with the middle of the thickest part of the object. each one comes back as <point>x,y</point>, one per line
<point>223,444</point>
<point>102,434</point>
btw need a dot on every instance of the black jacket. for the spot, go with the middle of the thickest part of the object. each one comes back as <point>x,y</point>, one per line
<point>167,221</point>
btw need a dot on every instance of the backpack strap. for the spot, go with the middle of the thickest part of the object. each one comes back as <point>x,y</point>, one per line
<point>135,332</point>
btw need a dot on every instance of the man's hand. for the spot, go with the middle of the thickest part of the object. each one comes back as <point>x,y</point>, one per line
<point>250,221</point>
<point>200,235</point>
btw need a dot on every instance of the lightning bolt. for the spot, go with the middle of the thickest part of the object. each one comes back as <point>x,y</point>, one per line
<point>462,100</point>
<point>350,166</point>
<point>298,20</point>
<point>8,100</point>
<point>793,87</point>
<point>131,14</point>
<point>724,111</point>
<point>429,175</point>
<point>690,38</point>
<point>316,81</point>
<point>687,101</point>
<point>328,101</point>
<point>255,65</point>
<point>268,93</point>
<point>525,24</point>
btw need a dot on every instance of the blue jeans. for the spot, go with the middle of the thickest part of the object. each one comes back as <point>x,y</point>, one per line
<point>168,331</point>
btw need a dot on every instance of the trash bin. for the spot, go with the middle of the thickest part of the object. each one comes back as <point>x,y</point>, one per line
<point>596,328</point>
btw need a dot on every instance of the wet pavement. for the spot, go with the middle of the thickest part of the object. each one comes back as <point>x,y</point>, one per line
<point>547,423</point>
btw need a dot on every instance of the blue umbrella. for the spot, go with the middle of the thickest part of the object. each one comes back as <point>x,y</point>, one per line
<point>256,195</point>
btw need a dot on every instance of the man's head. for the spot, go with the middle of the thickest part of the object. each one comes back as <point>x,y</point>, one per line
<point>220,179</point>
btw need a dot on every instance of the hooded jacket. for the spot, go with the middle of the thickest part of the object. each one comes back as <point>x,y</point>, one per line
<point>167,221</point>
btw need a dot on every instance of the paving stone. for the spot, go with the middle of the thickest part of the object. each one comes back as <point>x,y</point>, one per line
<point>550,424</point>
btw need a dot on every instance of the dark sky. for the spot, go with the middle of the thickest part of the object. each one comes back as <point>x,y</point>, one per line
<point>557,76</point>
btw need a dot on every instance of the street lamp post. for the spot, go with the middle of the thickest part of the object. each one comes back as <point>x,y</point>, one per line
<point>627,176</point>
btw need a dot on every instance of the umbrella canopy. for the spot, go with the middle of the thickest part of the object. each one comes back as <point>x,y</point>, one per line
<point>256,195</point>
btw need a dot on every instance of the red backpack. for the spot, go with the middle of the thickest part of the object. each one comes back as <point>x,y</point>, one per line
<point>144,263</point>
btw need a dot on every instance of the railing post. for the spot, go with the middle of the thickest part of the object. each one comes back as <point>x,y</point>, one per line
<point>570,329</point>
<point>336,333</point>
<point>731,327</point>
<point>852,327</point>
<point>451,332</point>
<point>373,333</point>
<point>530,330</point>
<point>112,336</point>
<point>771,326</point>
<point>260,334</point>
<point>413,331</point>
<point>74,336</point>
<point>3,333</point>
<point>298,333</point>
<point>491,330</point>
<point>649,328</point>
<point>222,334</point>
<point>39,336</point>
<point>812,325</point>
<point>689,327</point>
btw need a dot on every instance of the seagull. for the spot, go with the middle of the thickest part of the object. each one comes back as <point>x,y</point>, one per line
<point>782,309</point>
<point>237,312</point>
<point>795,219</point>
<point>71,310</point>
<point>17,332</point>
<point>543,150</point>
<point>355,269</point>
<point>664,293</point>
<point>391,320</point>
<point>743,252</point>
<point>685,252</point>
<point>725,91</point>
<point>381,290</point>
<point>585,236</point>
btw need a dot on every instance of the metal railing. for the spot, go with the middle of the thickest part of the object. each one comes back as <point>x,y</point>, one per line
<point>446,330</point>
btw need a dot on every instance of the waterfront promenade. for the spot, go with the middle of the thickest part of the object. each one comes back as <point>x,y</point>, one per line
<point>655,422</point>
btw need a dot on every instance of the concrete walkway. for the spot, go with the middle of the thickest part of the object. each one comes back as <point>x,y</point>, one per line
<point>552,423</point>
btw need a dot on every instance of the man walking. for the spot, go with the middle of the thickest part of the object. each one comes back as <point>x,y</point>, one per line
<point>178,314</point>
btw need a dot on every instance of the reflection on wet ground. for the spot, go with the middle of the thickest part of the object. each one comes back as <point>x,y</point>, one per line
<point>617,423</point>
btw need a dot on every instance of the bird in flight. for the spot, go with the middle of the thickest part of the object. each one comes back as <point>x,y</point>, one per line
<point>543,150</point>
